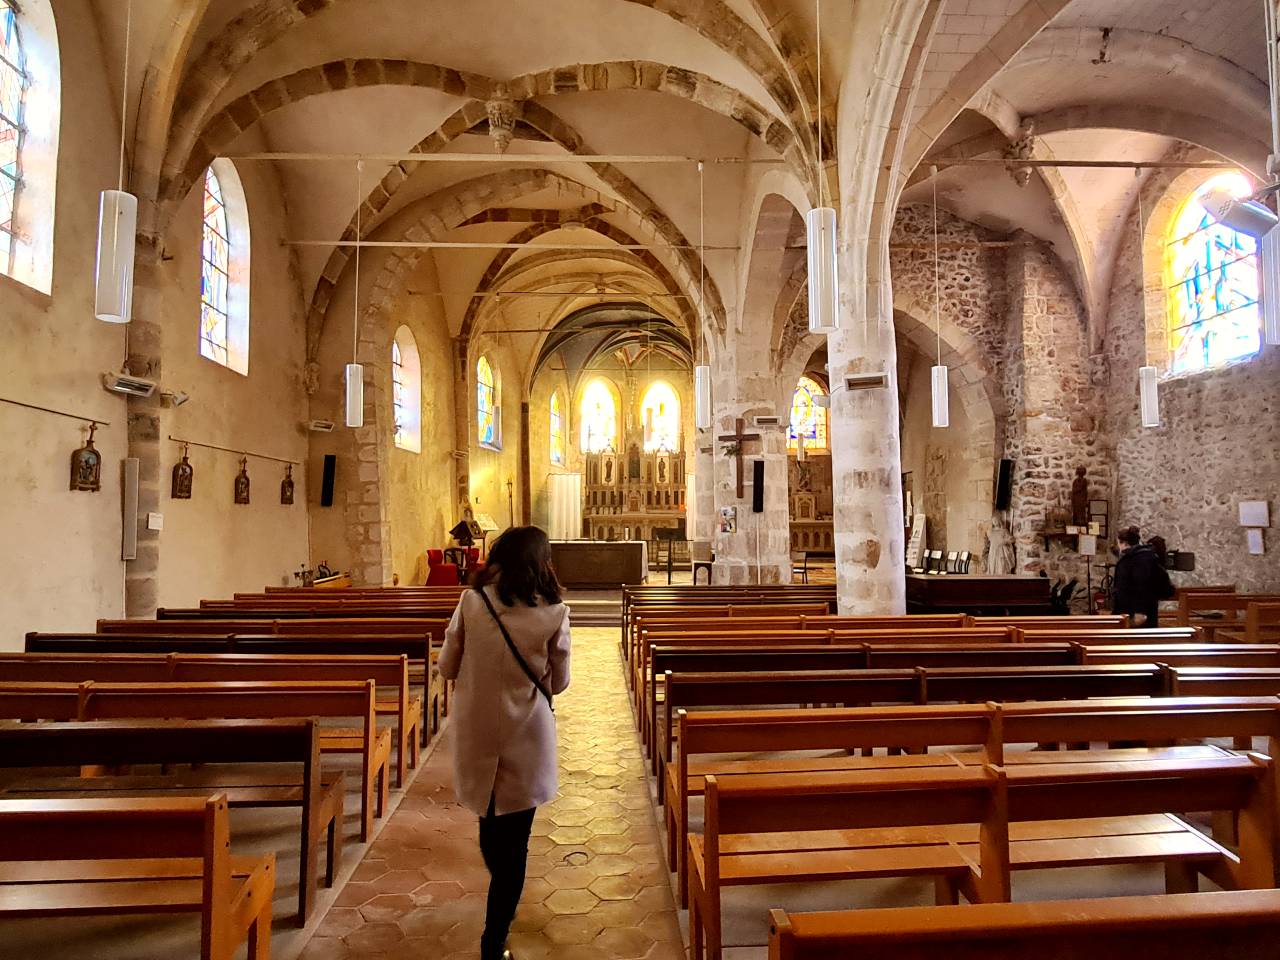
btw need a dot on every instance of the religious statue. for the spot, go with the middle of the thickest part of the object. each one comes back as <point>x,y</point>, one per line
<point>183,474</point>
<point>242,481</point>
<point>633,463</point>
<point>608,471</point>
<point>286,486</point>
<point>1080,498</point>
<point>662,470</point>
<point>86,465</point>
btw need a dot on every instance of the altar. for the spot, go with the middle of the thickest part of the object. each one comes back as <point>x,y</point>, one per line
<point>594,563</point>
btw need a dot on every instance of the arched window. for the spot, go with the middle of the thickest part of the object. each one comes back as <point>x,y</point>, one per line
<point>660,414</point>
<point>224,269</point>
<point>1213,284</point>
<point>488,404</point>
<point>13,101</point>
<point>808,418</point>
<point>406,391</point>
<point>557,430</point>
<point>599,418</point>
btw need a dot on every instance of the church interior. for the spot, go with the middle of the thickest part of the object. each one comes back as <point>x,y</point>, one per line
<point>834,344</point>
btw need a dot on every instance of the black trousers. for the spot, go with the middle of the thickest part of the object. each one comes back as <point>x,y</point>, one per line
<point>504,844</point>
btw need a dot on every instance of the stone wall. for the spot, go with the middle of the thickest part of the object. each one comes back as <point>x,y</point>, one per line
<point>1220,431</point>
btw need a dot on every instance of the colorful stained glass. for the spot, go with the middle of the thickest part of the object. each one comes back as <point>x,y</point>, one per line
<point>398,393</point>
<point>557,430</point>
<point>13,88</point>
<point>660,414</point>
<point>215,273</point>
<point>487,403</point>
<point>599,418</point>
<point>808,419</point>
<point>1213,283</point>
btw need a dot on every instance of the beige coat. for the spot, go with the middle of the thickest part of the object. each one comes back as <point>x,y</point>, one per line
<point>504,734</point>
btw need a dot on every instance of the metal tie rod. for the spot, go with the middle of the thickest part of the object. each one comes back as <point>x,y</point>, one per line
<point>466,245</point>
<point>501,158</point>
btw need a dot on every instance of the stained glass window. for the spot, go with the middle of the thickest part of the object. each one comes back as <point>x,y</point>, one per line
<point>397,391</point>
<point>406,391</point>
<point>215,271</point>
<point>660,414</point>
<point>487,404</point>
<point>557,430</point>
<point>808,419</point>
<point>13,88</point>
<point>1213,283</point>
<point>599,418</point>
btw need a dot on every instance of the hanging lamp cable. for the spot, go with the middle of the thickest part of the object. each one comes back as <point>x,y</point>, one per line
<point>822,187</point>
<point>355,324</point>
<point>700,347</point>
<point>124,88</point>
<point>937,268</point>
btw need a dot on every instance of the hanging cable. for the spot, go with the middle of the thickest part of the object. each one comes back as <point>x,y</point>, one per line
<point>701,347</point>
<point>822,187</point>
<point>937,268</point>
<point>355,325</point>
<point>124,89</point>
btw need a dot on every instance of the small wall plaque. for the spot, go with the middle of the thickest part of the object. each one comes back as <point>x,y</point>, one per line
<point>1255,513</point>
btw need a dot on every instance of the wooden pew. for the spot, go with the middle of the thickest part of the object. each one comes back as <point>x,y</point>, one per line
<point>1212,612</point>
<point>714,742</point>
<point>995,818</point>
<point>69,858</point>
<point>1261,622</point>
<point>1186,654</point>
<point>1096,637</point>
<point>257,626</point>
<point>720,614</point>
<point>1095,622</point>
<point>226,701</point>
<point>387,672</point>
<point>634,600</point>
<point>308,611</point>
<point>1223,925</point>
<point>919,686</point>
<point>116,743</point>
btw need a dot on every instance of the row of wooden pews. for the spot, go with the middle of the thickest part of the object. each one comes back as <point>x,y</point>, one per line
<point>244,703</point>
<point>1222,613</point>
<point>962,750</point>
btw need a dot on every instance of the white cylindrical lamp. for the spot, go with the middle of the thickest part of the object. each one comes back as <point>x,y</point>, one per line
<point>1149,396</point>
<point>117,237</point>
<point>355,395</point>
<point>824,287</point>
<point>702,396</point>
<point>941,396</point>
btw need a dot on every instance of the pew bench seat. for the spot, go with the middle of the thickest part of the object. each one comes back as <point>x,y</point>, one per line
<point>1202,926</point>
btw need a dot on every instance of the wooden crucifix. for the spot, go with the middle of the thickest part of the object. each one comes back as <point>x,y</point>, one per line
<point>738,438</point>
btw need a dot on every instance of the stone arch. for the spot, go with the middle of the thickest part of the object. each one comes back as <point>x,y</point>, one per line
<point>777,254</point>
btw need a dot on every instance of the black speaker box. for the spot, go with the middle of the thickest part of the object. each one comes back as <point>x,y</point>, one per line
<point>1004,485</point>
<point>326,483</point>
<point>757,486</point>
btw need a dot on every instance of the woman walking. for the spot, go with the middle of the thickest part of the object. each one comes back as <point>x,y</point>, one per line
<point>507,647</point>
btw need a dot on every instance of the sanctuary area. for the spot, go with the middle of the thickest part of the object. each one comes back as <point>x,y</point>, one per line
<point>897,383</point>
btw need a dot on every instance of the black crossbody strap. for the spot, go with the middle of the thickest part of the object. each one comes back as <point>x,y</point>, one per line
<point>515,651</point>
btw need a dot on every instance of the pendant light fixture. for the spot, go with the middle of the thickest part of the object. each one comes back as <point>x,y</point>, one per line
<point>940,378</point>
<point>702,371</point>
<point>824,288</point>
<point>1148,376</point>
<point>355,371</point>
<point>117,223</point>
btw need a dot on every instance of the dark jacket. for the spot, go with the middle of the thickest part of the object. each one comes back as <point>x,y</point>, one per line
<point>1141,582</point>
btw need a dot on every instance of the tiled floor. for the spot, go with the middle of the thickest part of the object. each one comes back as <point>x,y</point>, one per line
<point>597,886</point>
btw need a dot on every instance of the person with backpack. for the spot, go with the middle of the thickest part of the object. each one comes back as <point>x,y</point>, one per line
<point>507,647</point>
<point>1141,580</point>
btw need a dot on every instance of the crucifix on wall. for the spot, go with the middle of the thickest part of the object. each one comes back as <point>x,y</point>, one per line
<point>737,439</point>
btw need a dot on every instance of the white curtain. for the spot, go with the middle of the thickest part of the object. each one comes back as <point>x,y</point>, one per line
<point>565,490</point>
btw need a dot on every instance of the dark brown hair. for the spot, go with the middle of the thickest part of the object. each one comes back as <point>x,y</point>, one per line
<point>1131,536</point>
<point>519,566</point>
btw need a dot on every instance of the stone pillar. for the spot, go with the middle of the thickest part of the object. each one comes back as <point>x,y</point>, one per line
<point>526,467</point>
<point>704,521</point>
<point>866,454</point>
<point>368,527</point>
<point>759,551</point>
<point>142,575</point>
<point>464,401</point>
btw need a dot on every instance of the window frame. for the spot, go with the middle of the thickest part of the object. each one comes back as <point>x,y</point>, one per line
<point>10,11</point>
<point>223,309</point>
<point>822,418</point>
<point>494,391</point>
<point>558,451</point>
<point>585,443</point>
<point>651,446</point>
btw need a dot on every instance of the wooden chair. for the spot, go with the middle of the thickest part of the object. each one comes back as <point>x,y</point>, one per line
<point>68,858</point>
<point>1224,925</point>
<point>122,743</point>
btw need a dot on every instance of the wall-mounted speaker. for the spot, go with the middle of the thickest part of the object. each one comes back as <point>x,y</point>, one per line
<point>326,482</point>
<point>757,486</point>
<point>129,508</point>
<point>1004,485</point>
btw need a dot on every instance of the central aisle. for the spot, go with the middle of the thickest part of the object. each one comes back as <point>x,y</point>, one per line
<point>597,885</point>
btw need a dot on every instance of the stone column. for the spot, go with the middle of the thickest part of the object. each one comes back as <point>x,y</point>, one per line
<point>760,549</point>
<point>368,528</point>
<point>704,486</point>
<point>142,575</point>
<point>526,467</point>
<point>464,401</point>
<point>866,455</point>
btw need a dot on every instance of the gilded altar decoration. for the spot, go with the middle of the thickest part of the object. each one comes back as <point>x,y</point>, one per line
<point>286,486</point>
<point>242,481</point>
<point>86,465</point>
<point>183,475</point>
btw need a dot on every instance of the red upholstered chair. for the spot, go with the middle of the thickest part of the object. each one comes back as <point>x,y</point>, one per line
<point>435,558</point>
<point>442,575</point>
<point>473,557</point>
